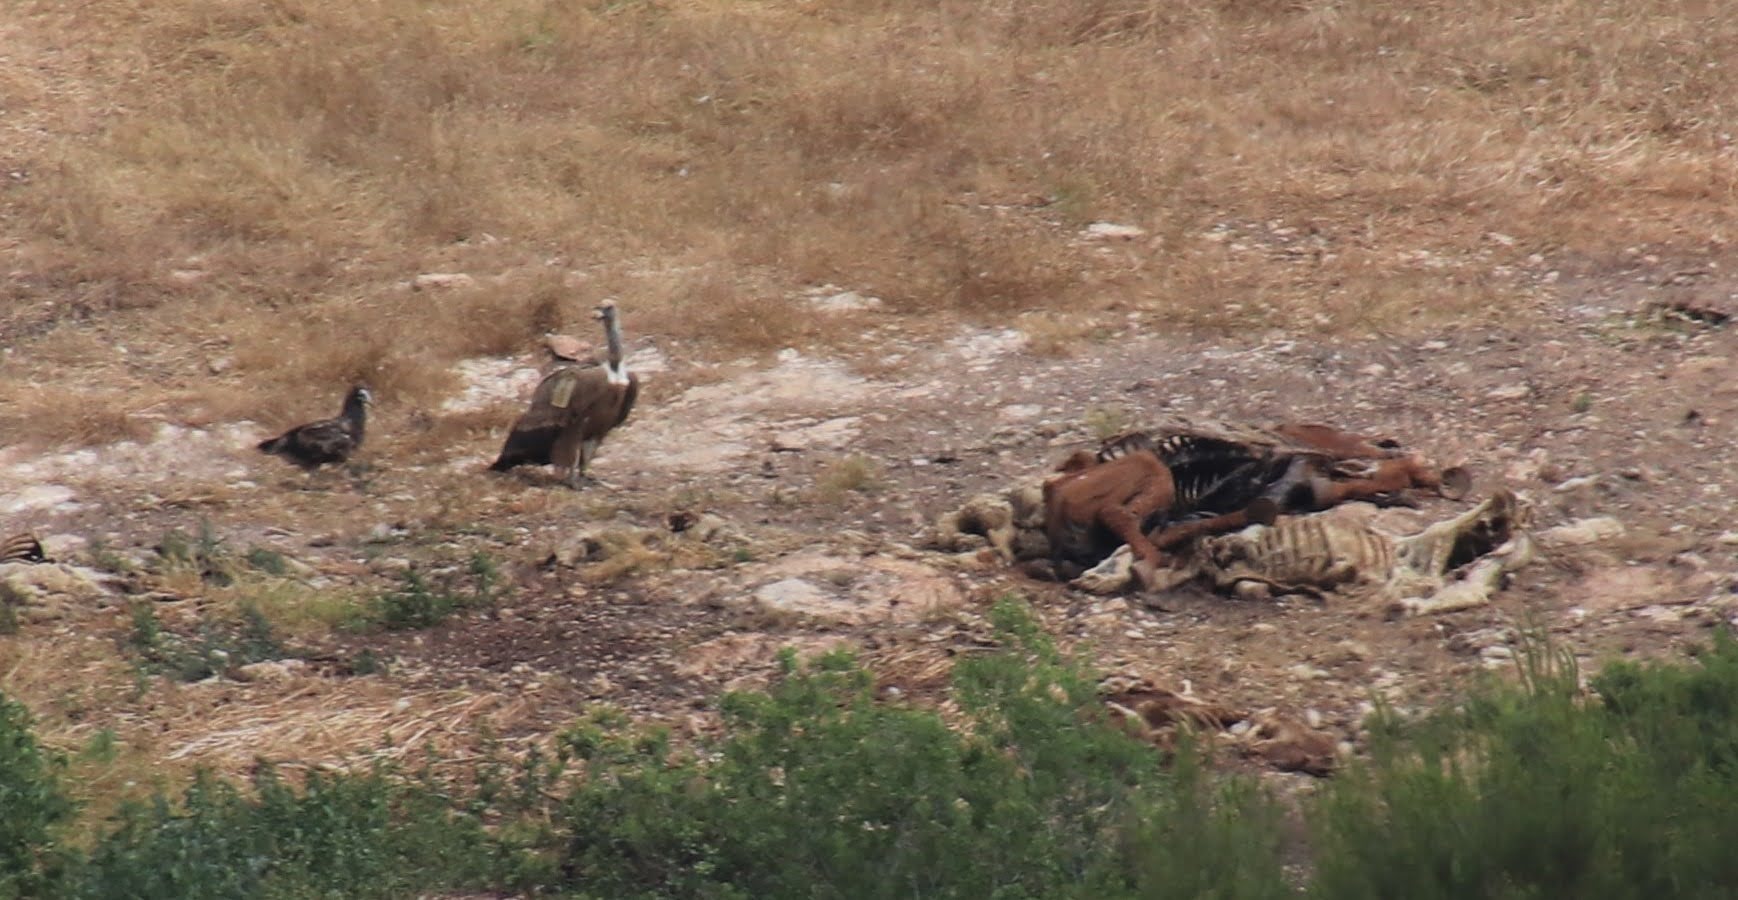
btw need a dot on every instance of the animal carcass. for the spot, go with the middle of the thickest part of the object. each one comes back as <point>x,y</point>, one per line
<point>1454,564</point>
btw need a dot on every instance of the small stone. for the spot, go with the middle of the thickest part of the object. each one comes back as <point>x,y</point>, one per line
<point>845,301</point>
<point>1354,650</point>
<point>1109,231</point>
<point>438,280</point>
<point>271,670</point>
<point>1509,392</point>
<point>1576,483</point>
<point>1583,531</point>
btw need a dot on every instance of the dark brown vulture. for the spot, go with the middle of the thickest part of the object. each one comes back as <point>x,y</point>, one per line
<point>328,440</point>
<point>21,548</point>
<point>572,410</point>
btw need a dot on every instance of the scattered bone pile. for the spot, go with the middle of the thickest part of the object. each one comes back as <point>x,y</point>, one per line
<point>1251,513</point>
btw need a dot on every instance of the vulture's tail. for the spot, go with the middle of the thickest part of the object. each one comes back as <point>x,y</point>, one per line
<point>272,445</point>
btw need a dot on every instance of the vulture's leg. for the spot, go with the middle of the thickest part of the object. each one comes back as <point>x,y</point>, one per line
<point>568,457</point>
<point>588,452</point>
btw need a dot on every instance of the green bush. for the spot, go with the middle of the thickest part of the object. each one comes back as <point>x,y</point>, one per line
<point>1535,792</point>
<point>340,836</point>
<point>420,603</point>
<point>817,790</point>
<point>32,806</point>
<point>217,647</point>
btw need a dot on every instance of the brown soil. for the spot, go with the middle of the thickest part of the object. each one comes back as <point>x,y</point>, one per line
<point>1586,398</point>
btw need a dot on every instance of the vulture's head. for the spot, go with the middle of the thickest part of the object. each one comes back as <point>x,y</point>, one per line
<point>605,311</point>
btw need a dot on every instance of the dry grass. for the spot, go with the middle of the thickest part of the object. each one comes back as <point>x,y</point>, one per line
<point>849,474</point>
<point>1106,422</point>
<point>271,174</point>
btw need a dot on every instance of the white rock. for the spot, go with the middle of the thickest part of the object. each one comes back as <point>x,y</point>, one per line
<point>36,580</point>
<point>435,280</point>
<point>271,670</point>
<point>1509,392</point>
<point>36,496</point>
<point>845,301</point>
<point>831,434</point>
<point>1107,231</point>
<point>791,594</point>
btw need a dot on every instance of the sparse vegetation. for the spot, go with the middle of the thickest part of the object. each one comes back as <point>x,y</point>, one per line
<point>1106,422</point>
<point>1534,791</point>
<point>211,207</point>
<point>203,555</point>
<point>268,561</point>
<point>280,175</point>
<point>34,804</point>
<point>1525,788</point>
<point>216,647</point>
<point>419,602</point>
<point>850,474</point>
<point>10,600</point>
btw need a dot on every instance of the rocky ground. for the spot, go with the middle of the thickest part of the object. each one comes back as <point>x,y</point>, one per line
<point>1608,395</point>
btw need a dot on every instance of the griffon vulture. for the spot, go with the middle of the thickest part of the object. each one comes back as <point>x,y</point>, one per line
<point>572,410</point>
<point>328,440</point>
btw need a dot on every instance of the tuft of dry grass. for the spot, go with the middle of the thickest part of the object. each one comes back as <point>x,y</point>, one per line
<point>1105,422</point>
<point>850,474</point>
<point>276,173</point>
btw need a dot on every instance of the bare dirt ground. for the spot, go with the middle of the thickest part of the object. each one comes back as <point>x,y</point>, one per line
<point>823,473</point>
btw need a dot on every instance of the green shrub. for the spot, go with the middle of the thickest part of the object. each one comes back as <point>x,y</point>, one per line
<point>268,561</point>
<point>817,790</point>
<point>362,835</point>
<point>217,647</point>
<point>32,806</point>
<point>1531,791</point>
<point>420,603</point>
<point>204,553</point>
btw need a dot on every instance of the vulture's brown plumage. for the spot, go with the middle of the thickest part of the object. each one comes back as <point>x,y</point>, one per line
<point>572,410</point>
<point>328,440</point>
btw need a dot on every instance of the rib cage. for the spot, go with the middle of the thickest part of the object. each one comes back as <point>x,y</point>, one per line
<point>1324,551</point>
<point>1314,550</point>
<point>1213,475</point>
<point>21,548</point>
